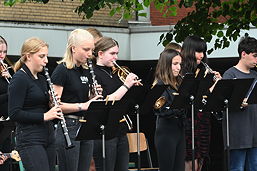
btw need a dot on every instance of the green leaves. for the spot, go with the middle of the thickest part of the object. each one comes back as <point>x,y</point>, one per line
<point>223,19</point>
<point>208,18</point>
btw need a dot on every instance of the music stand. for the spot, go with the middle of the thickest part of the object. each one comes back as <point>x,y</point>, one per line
<point>147,107</point>
<point>225,96</point>
<point>186,97</point>
<point>102,119</point>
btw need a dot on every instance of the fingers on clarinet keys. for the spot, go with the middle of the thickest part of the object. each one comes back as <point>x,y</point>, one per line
<point>54,113</point>
<point>99,89</point>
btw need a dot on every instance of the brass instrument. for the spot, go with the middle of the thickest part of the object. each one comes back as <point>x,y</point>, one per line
<point>4,68</point>
<point>159,102</point>
<point>123,72</point>
<point>209,70</point>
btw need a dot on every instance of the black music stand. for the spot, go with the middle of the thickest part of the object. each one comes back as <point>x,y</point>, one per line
<point>190,94</point>
<point>228,95</point>
<point>185,98</point>
<point>102,119</point>
<point>146,107</point>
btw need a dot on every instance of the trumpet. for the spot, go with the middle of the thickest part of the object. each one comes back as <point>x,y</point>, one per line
<point>123,72</point>
<point>4,68</point>
<point>209,70</point>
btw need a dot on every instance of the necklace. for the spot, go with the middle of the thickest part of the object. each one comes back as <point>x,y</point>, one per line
<point>107,73</point>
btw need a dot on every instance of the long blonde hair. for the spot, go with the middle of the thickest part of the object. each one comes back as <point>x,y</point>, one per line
<point>30,46</point>
<point>75,38</point>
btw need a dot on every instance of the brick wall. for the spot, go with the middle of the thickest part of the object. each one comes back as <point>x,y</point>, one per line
<point>158,19</point>
<point>56,12</point>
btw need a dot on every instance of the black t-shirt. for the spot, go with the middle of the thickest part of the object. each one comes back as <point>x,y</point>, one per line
<point>75,83</point>
<point>110,83</point>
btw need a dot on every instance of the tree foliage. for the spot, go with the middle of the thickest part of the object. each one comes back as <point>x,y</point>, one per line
<point>208,18</point>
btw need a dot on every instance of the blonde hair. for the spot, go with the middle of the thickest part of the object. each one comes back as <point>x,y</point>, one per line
<point>30,46</point>
<point>75,38</point>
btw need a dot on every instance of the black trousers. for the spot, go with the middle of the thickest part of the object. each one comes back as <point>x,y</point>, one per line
<point>117,154</point>
<point>77,158</point>
<point>38,158</point>
<point>170,144</point>
<point>36,146</point>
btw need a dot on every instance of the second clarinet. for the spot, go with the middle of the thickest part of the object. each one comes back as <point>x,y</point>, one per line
<point>55,101</point>
<point>95,84</point>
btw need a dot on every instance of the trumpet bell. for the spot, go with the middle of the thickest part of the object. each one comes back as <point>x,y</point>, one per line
<point>121,72</point>
<point>160,102</point>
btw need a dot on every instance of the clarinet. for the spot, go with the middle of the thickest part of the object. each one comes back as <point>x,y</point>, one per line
<point>63,122</point>
<point>90,66</point>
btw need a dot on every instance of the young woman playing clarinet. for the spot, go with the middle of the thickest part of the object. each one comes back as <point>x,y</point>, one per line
<point>29,108</point>
<point>72,79</point>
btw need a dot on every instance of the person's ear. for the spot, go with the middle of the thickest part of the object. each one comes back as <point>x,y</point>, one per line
<point>100,54</point>
<point>73,49</point>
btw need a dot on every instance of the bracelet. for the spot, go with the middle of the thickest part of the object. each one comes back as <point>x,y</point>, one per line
<point>124,85</point>
<point>80,107</point>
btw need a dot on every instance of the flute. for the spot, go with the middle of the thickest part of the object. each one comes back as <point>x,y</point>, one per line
<point>63,122</point>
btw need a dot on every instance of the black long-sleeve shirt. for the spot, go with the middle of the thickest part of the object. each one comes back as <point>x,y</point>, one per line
<point>28,101</point>
<point>3,97</point>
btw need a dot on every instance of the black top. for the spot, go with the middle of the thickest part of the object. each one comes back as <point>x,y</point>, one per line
<point>166,110</point>
<point>4,96</point>
<point>242,124</point>
<point>29,97</point>
<point>75,83</point>
<point>28,101</point>
<point>110,83</point>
